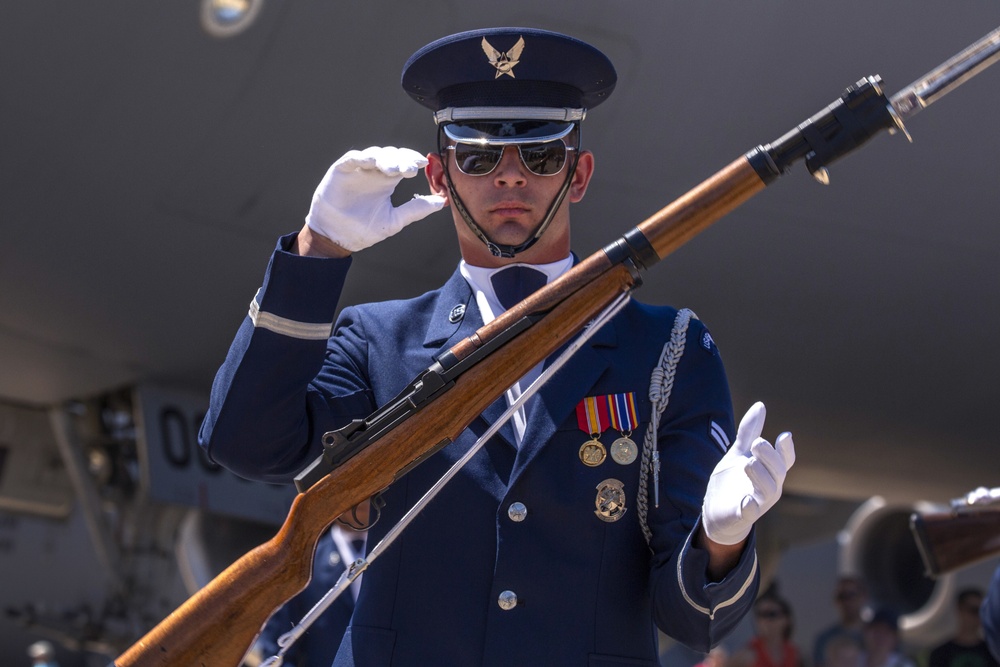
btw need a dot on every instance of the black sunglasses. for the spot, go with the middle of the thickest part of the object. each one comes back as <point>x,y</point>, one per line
<point>541,158</point>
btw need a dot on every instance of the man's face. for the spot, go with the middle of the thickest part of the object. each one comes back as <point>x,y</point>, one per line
<point>508,204</point>
<point>850,599</point>
<point>968,612</point>
<point>880,638</point>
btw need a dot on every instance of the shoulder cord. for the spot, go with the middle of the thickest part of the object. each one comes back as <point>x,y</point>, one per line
<point>661,383</point>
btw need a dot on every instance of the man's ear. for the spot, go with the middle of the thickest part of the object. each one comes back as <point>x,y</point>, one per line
<point>436,179</point>
<point>581,177</point>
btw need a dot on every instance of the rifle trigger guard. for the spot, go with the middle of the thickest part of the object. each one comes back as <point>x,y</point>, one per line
<point>377,503</point>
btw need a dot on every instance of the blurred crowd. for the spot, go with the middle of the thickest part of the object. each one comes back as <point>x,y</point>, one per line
<point>861,635</point>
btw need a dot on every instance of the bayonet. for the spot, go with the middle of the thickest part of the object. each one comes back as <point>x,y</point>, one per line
<point>947,76</point>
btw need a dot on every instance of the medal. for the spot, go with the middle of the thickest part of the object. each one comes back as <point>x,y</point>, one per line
<point>592,418</point>
<point>592,453</point>
<point>595,414</point>
<point>610,501</point>
<point>624,418</point>
<point>624,450</point>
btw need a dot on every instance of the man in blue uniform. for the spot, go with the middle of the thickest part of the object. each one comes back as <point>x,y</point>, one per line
<point>557,544</point>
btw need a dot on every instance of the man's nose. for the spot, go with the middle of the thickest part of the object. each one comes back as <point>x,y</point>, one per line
<point>510,171</point>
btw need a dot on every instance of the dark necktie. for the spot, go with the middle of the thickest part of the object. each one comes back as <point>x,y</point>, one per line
<point>515,283</point>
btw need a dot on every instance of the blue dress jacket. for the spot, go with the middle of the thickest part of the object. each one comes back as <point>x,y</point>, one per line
<point>588,591</point>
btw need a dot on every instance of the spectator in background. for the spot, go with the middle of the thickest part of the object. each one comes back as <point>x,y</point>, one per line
<point>967,648</point>
<point>881,641</point>
<point>843,649</point>
<point>850,597</point>
<point>42,654</point>
<point>772,644</point>
<point>717,657</point>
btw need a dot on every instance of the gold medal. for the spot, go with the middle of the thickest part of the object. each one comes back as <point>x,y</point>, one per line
<point>592,418</point>
<point>592,453</point>
<point>610,500</point>
<point>624,450</point>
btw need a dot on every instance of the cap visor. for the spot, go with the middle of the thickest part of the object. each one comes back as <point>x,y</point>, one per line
<point>506,131</point>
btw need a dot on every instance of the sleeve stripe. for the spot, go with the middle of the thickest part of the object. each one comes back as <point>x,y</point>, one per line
<point>725,603</point>
<point>743,589</point>
<point>719,434</point>
<point>680,580</point>
<point>287,327</point>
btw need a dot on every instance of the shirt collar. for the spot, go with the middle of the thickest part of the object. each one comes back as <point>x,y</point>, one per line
<point>478,278</point>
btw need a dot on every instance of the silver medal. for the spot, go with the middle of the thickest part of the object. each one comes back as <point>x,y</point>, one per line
<point>624,450</point>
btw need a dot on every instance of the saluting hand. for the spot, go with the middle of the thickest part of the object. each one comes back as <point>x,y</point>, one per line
<point>747,481</point>
<point>352,205</point>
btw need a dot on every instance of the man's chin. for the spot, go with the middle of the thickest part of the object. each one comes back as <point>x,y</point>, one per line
<point>510,233</point>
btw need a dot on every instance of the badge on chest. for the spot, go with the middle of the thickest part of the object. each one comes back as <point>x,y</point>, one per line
<point>595,415</point>
<point>610,500</point>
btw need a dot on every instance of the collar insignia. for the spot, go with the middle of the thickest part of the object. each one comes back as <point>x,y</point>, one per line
<point>504,62</point>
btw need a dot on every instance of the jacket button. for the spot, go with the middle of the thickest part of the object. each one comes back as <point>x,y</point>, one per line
<point>517,512</point>
<point>507,600</point>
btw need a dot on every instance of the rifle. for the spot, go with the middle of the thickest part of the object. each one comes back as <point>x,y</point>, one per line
<point>218,624</point>
<point>966,533</point>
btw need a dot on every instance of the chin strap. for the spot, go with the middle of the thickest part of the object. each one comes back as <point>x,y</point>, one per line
<point>508,251</point>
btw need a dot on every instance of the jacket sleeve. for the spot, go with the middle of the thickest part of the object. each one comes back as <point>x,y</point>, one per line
<point>267,412</point>
<point>695,430</point>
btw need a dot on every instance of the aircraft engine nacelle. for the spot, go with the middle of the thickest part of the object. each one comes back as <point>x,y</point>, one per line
<point>878,545</point>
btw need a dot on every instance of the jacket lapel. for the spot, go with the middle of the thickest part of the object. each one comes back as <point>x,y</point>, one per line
<point>455,317</point>
<point>443,333</point>
<point>555,401</point>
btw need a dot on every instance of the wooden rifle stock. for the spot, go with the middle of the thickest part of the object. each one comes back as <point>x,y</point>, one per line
<point>951,540</point>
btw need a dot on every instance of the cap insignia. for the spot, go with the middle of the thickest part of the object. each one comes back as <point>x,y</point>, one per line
<point>504,62</point>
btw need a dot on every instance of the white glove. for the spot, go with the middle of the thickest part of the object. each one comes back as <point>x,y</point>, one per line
<point>747,481</point>
<point>352,205</point>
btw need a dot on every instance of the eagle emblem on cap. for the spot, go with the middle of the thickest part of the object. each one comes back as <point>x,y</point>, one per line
<point>504,62</point>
